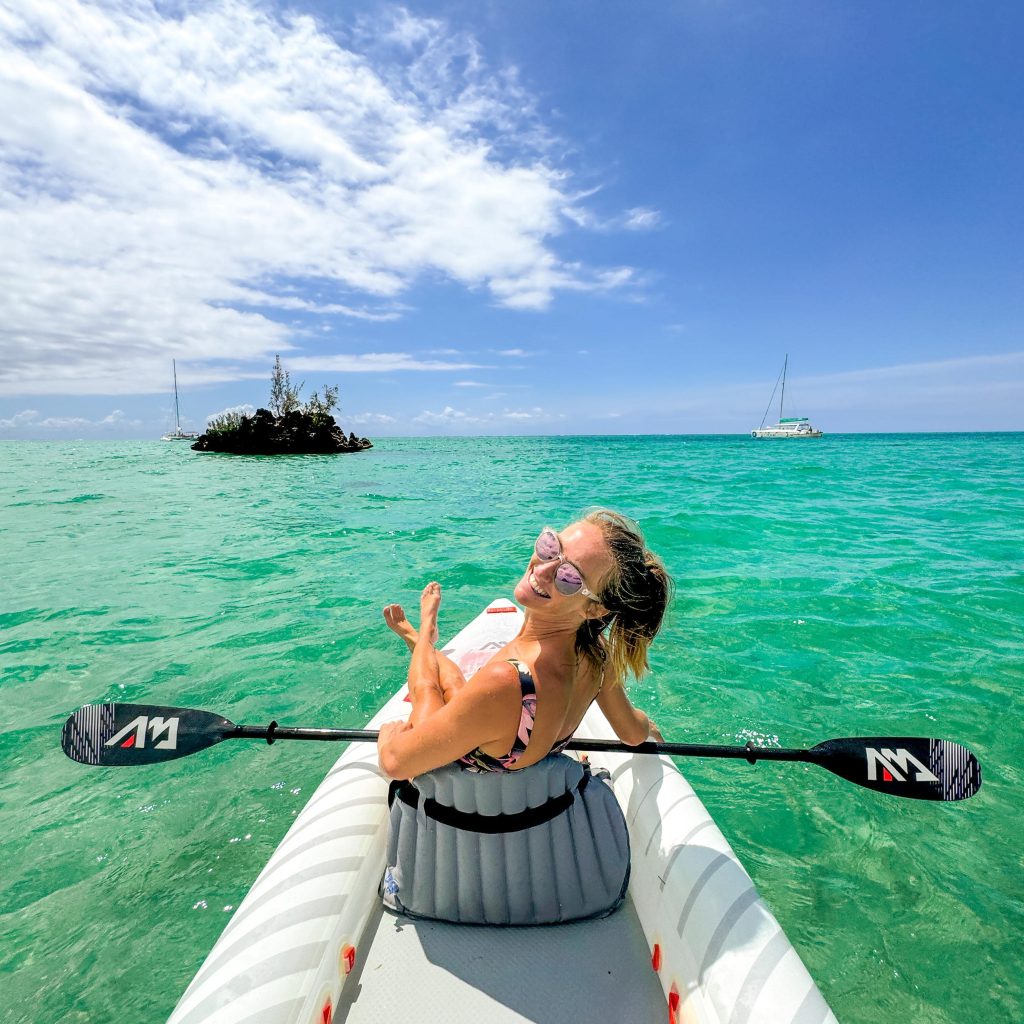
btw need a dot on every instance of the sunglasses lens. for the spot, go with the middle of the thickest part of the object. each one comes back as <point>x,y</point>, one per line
<point>568,580</point>
<point>547,546</point>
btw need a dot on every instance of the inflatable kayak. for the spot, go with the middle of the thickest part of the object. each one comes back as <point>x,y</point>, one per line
<point>313,944</point>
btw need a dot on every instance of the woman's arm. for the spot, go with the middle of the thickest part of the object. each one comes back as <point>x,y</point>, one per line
<point>631,725</point>
<point>477,713</point>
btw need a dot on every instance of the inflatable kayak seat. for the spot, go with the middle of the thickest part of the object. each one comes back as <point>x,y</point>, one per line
<point>543,845</point>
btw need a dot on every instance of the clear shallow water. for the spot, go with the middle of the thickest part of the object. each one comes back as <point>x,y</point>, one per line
<point>857,585</point>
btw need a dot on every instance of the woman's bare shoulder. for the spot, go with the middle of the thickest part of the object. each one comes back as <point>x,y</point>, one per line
<point>493,678</point>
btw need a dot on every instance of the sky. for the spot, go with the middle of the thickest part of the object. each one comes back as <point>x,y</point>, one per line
<point>476,217</point>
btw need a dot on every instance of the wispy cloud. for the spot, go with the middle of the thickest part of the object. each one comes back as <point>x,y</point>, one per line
<point>639,218</point>
<point>241,410</point>
<point>460,419</point>
<point>148,210</point>
<point>372,362</point>
<point>642,219</point>
<point>363,419</point>
<point>891,398</point>
<point>30,420</point>
<point>924,370</point>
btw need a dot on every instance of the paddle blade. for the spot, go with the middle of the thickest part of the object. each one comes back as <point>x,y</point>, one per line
<point>131,734</point>
<point>923,769</point>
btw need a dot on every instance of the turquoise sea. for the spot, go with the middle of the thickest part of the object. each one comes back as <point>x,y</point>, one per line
<point>857,585</point>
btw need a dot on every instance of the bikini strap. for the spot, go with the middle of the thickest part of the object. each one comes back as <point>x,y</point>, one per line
<point>526,683</point>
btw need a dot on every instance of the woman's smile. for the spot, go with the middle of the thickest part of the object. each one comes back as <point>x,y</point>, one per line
<point>537,589</point>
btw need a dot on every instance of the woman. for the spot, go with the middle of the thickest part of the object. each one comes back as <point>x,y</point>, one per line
<point>594,599</point>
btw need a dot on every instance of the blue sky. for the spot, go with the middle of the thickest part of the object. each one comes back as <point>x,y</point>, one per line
<point>491,218</point>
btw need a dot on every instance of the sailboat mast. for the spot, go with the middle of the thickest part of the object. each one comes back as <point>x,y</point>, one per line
<point>781,397</point>
<point>177,416</point>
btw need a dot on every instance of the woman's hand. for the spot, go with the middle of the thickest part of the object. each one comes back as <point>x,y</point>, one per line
<point>389,731</point>
<point>654,733</point>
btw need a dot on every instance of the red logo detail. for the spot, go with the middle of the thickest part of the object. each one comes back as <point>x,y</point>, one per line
<point>886,775</point>
<point>673,1005</point>
<point>130,742</point>
<point>348,957</point>
<point>499,611</point>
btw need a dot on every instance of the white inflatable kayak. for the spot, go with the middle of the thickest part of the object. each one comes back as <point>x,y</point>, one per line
<point>311,943</point>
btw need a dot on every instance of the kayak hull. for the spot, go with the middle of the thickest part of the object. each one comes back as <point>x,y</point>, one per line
<point>311,943</point>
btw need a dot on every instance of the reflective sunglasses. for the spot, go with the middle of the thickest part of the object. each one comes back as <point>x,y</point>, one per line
<point>568,579</point>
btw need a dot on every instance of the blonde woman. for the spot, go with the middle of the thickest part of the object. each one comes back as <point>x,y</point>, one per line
<point>594,597</point>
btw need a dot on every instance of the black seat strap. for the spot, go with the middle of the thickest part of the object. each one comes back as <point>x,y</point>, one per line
<point>490,824</point>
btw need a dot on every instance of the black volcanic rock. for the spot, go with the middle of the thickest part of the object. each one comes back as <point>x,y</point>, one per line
<point>295,433</point>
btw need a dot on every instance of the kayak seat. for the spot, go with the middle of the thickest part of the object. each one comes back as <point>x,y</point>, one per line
<point>543,845</point>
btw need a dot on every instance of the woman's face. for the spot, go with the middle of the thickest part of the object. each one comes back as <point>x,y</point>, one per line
<point>583,545</point>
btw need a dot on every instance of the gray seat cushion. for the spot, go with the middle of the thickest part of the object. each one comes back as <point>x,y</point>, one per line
<point>572,866</point>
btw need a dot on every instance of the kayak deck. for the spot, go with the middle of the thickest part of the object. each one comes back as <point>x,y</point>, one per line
<point>312,943</point>
<point>428,970</point>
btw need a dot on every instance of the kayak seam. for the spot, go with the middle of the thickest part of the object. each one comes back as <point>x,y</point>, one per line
<point>813,1009</point>
<point>735,911</point>
<point>293,961</point>
<point>656,784</point>
<point>758,976</point>
<point>347,865</point>
<point>329,811</point>
<point>312,844</point>
<point>661,820</point>
<point>278,922</point>
<point>678,849</point>
<point>716,864</point>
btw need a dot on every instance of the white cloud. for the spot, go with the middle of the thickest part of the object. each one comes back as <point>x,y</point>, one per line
<point>457,419</point>
<point>29,420</point>
<point>470,384</point>
<point>167,180</point>
<point>953,368</point>
<point>371,362</point>
<point>20,420</point>
<point>641,219</point>
<point>450,416</point>
<point>364,418</point>
<point>241,410</point>
<point>535,414</point>
<point>515,353</point>
<point>886,398</point>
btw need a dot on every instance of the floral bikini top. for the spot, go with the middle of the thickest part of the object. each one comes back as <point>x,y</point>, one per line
<point>478,761</point>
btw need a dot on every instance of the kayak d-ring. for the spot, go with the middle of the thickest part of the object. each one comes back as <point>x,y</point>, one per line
<point>749,747</point>
<point>270,731</point>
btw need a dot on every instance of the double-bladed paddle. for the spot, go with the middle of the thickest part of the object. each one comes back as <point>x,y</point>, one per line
<point>135,734</point>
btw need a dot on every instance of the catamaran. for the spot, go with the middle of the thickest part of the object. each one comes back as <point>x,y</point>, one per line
<point>178,434</point>
<point>790,426</point>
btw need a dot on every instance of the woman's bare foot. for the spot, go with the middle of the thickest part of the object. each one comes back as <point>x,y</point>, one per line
<point>430,602</point>
<point>394,616</point>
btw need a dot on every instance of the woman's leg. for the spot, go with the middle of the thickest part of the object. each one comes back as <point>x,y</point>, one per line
<point>449,675</point>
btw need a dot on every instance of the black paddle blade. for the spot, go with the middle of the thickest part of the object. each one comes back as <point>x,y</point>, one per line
<point>131,734</point>
<point>922,769</point>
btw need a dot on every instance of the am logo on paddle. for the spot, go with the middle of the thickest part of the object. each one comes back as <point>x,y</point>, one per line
<point>138,728</point>
<point>895,765</point>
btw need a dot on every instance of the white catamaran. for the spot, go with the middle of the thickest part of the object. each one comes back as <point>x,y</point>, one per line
<point>790,426</point>
<point>178,434</point>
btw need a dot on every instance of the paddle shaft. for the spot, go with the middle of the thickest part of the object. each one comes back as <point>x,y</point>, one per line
<point>749,753</point>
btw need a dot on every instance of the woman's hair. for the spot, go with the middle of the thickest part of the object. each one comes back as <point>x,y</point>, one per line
<point>636,595</point>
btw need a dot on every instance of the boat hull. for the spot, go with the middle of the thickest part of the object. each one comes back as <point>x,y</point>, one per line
<point>310,942</point>
<point>786,433</point>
